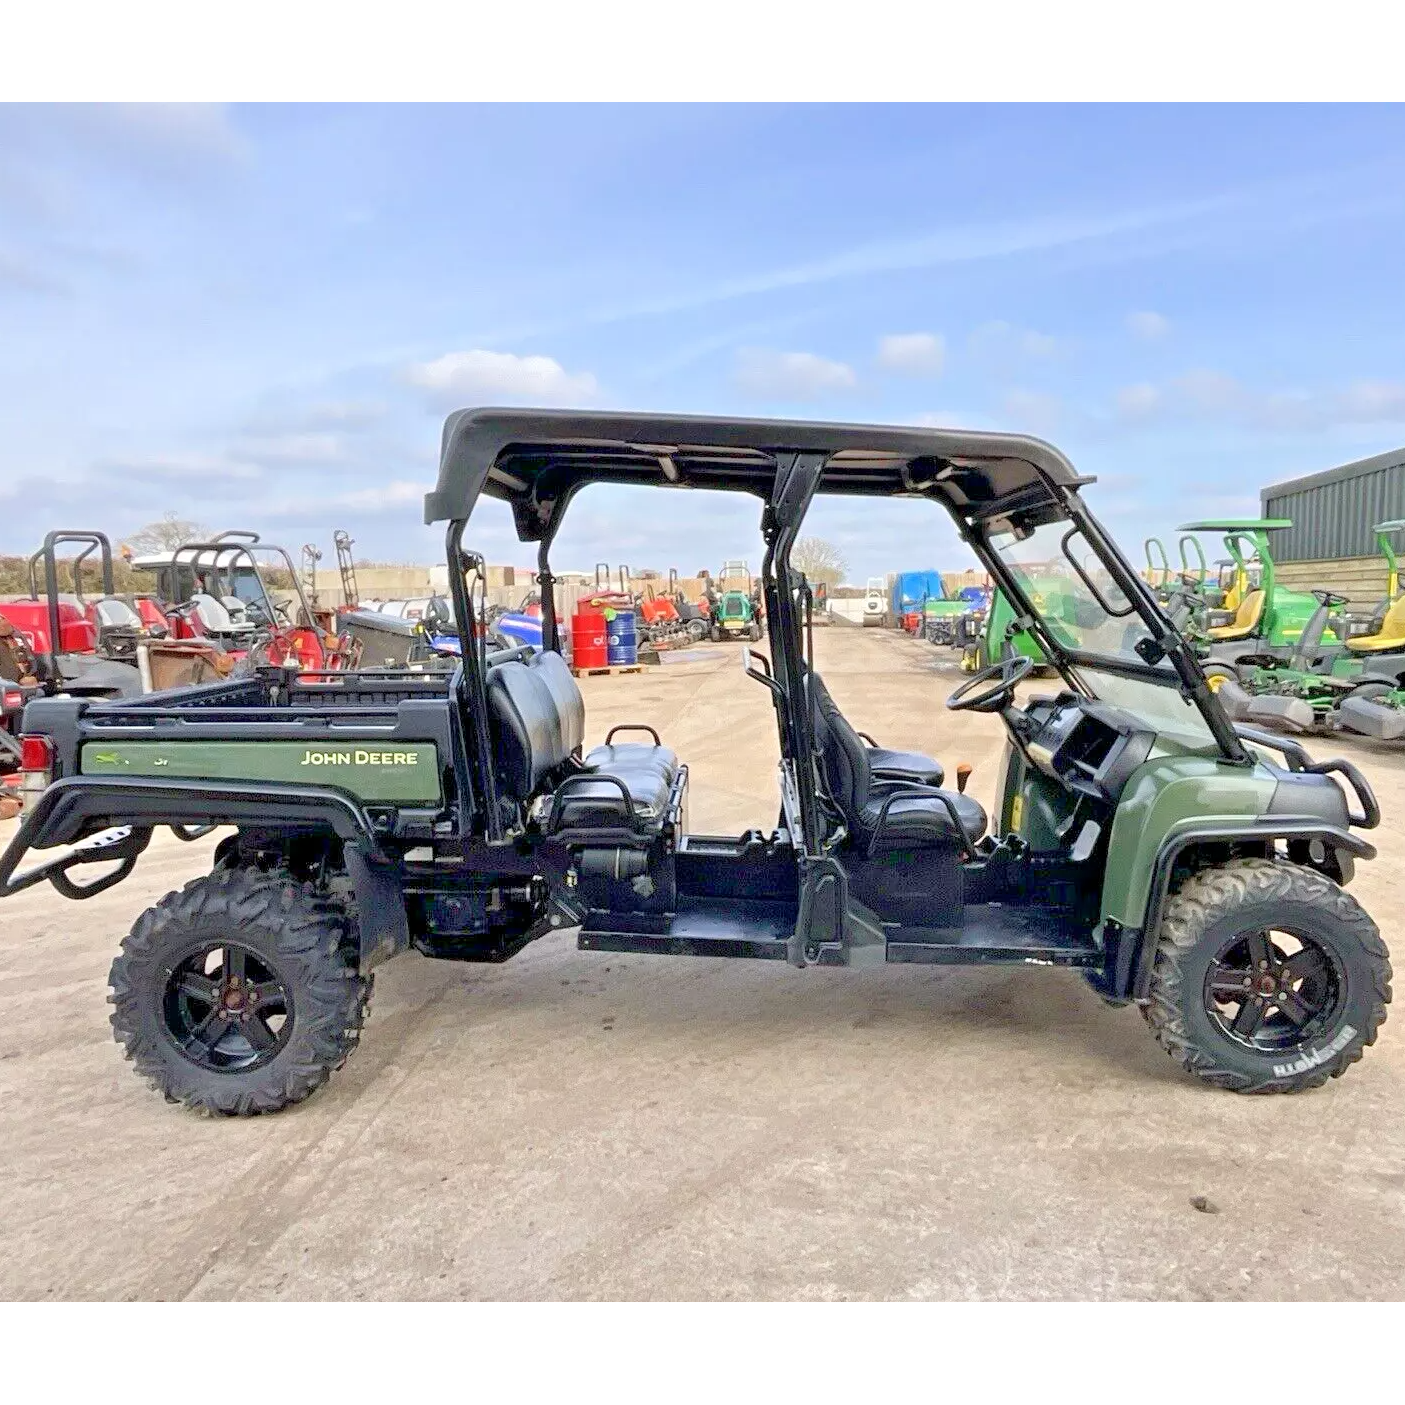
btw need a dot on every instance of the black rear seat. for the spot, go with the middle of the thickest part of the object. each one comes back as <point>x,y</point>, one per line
<point>538,718</point>
<point>632,754</point>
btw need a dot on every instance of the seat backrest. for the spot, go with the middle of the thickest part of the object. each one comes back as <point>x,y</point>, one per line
<point>1393,625</point>
<point>1250,608</point>
<point>526,732</point>
<point>843,757</point>
<point>116,614</point>
<point>213,615</point>
<point>565,692</point>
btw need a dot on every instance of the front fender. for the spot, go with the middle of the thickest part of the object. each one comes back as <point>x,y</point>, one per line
<point>1130,950</point>
<point>1167,796</point>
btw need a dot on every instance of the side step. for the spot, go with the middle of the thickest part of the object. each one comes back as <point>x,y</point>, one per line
<point>719,927</point>
<point>991,935</point>
<point>997,935</point>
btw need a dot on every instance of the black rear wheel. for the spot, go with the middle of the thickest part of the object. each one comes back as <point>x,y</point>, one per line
<point>1269,977</point>
<point>239,994</point>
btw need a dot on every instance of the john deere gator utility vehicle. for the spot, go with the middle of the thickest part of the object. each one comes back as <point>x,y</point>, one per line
<point>1136,835</point>
<point>1257,618</point>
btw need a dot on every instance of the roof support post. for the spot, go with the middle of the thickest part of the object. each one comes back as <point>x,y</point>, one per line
<point>797,477</point>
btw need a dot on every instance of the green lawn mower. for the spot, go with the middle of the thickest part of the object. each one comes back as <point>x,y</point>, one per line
<point>734,604</point>
<point>1257,621</point>
<point>1169,584</point>
<point>1355,683</point>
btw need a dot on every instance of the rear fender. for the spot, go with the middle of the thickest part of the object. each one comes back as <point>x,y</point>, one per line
<point>110,821</point>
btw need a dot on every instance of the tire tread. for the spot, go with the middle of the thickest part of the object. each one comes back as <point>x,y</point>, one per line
<point>1212,893</point>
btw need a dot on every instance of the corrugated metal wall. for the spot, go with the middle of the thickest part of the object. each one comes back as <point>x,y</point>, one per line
<point>1333,519</point>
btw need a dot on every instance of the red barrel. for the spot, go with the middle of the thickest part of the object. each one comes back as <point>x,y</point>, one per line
<point>590,639</point>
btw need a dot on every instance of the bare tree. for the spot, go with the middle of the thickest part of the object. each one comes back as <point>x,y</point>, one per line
<point>821,561</point>
<point>165,535</point>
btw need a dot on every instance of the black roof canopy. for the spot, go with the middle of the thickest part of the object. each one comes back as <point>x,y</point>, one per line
<point>531,458</point>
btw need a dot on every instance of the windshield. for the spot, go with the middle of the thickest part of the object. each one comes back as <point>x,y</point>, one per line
<point>1166,709</point>
<point>1087,613</point>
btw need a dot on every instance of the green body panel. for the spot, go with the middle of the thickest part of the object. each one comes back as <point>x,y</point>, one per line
<point>945,609</point>
<point>734,610</point>
<point>378,771</point>
<point>1287,615</point>
<point>1170,794</point>
<point>998,621</point>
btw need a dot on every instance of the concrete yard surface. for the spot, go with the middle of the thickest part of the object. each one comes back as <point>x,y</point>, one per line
<point>580,1125</point>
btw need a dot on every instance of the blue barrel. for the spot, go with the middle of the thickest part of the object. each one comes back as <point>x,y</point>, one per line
<point>624,647</point>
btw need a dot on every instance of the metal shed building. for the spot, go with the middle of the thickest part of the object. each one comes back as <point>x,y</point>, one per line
<point>1330,545</point>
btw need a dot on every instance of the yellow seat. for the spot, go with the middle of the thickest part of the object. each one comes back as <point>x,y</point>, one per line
<point>1246,619</point>
<point>1390,636</point>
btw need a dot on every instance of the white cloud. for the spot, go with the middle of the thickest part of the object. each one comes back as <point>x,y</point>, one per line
<point>193,128</point>
<point>1005,343</point>
<point>1370,402</point>
<point>1138,401</point>
<point>320,447</point>
<point>1032,411</point>
<point>791,375</point>
<point>391,498</point>
<point>461,377</point>
<point>27,274</point>
<point>949,419</point>
<point>1209,394</point>
<point>394,494</point>
<point>1150,326</point>
<point>1209,390</point>
<point>913,353</point>
<point>190,470</point>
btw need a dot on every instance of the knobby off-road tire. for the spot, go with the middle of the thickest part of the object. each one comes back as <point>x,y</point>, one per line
<point>1200,926</point>
<point>289,943</point>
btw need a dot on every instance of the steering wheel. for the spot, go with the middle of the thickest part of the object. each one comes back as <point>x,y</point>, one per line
<point>1330,599</point>
<point>1008,672</point>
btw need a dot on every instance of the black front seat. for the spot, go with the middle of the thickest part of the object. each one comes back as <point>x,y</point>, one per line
<point>908,766</point>
<point>911,822</point>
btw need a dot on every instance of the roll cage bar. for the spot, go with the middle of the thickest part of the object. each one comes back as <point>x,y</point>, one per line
<point>225,550</point>
<point>537,460</point>
<point>91,541</point>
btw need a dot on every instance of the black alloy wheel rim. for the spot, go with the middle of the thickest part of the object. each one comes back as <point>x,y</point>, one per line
<point>226,1009</point>
<point>1274,990</point>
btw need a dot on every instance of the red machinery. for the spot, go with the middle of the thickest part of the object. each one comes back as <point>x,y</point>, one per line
<point>76,646</point>
<point>222,598</point>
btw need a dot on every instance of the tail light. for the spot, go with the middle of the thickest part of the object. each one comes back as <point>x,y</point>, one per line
<point>11,700</point>
<point>36,766</point>
<point>36,754</point>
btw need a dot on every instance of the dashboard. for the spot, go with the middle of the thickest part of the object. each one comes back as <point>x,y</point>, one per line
<point>1090,747</point>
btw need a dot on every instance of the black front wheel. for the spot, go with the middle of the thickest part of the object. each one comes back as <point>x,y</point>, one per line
<point>239,994</point>
<point>1269,977</point>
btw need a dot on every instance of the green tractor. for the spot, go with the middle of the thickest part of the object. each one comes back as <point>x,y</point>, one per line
<point>735,604</point>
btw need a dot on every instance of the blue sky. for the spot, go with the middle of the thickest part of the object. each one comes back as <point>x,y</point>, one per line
<point>258,316</point>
